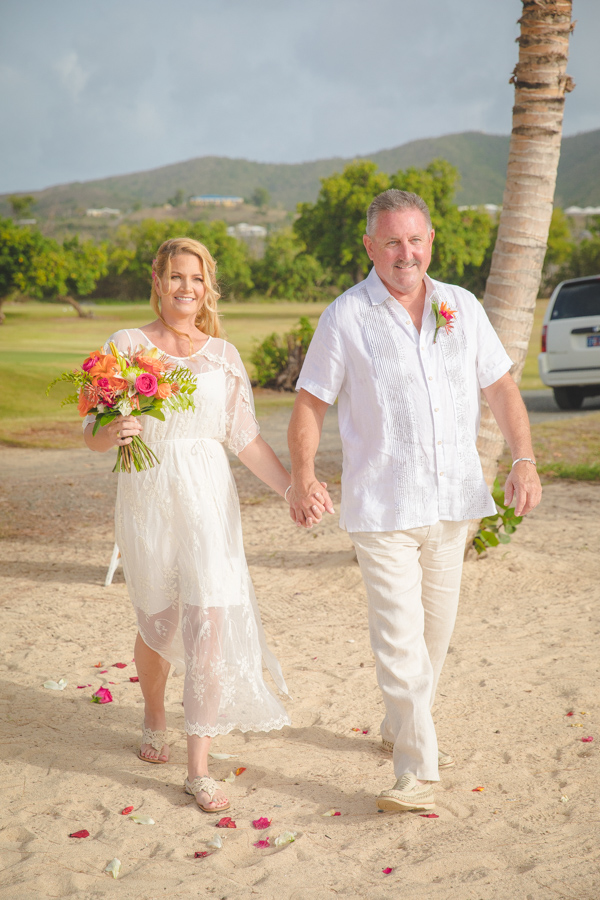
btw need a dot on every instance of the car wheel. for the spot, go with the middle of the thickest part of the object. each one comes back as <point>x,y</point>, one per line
<point>568,397</point>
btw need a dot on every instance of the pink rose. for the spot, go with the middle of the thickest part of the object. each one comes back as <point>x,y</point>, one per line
<point>90,362</point>
<point>146,384</point>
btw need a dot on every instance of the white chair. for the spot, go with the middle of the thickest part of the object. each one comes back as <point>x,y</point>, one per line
<point>114,562</point>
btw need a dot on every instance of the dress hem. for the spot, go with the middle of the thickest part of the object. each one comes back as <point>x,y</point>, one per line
<point>273,725</point>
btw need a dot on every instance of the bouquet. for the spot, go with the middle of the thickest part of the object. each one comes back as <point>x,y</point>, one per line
<point>142,384</point>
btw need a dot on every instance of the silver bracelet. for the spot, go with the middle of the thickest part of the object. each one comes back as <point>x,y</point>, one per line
<point>288,488</point>
<point>524,459</point>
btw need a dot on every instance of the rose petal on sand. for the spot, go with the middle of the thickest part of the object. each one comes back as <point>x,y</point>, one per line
<point>102,695</point>
<point>216,843</point>
<point>134,678</point>
<point>477,790</point>
<point>331,812</point>
<point>59,685</point>
<point>564,799</point>
<point>263,822</point>
<point>114,867</point>
<point>142,820</point>
<point>229,778</point>
<point>365,731</point>
<point>222,755</point>
<point>80,834</point>
<point>97,665</point>
<point>429,815</point>
<point>127,810</point>
<point>239,770</point>
<point>355,729</point>
<point>226,822</point>
<point>570,713</point>
<point>575,724</point>
<point>80,686</point>
<point>262,845</point>
<point>201,854</point>
<point>588,739</point>
<point>286,837</point>
<point>119,666</point>
<point>387,871</point>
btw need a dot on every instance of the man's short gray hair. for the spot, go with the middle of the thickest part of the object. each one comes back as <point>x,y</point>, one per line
<point>394,201</point>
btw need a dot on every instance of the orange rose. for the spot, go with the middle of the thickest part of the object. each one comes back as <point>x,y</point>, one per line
<point>152,366</point>
<point>164,390</point>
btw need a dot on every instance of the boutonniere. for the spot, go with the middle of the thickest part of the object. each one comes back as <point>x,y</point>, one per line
<point>444,318</point>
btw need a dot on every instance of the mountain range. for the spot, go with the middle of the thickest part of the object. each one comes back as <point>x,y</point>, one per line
<point>480,158</point>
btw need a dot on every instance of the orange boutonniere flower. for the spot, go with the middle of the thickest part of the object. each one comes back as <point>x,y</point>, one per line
<point>444,318</point>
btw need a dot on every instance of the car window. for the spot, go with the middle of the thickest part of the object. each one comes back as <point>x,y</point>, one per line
<point>576,300</point>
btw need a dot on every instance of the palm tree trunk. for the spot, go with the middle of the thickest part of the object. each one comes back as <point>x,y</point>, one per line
<point>541,82</point>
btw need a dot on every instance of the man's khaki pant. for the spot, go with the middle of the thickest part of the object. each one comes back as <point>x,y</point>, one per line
<point>412,580</point>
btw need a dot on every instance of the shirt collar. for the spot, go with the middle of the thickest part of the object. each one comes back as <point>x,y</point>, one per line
<point>378,293</point>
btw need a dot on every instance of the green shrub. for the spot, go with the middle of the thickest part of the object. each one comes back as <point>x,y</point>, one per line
<point>277,361</point>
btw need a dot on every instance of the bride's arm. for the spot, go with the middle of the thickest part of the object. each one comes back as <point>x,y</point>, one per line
<point>117,433</point>
<point>259,457</point>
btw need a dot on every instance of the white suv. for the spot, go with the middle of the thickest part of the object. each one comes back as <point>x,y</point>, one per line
<point>570,359</point>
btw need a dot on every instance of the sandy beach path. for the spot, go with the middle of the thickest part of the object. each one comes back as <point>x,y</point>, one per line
<point>524,656</point>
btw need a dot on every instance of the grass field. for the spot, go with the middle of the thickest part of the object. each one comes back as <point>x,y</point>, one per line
<point>39,340</point>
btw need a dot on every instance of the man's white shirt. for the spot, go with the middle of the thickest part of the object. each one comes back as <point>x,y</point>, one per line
<point>409,408</point>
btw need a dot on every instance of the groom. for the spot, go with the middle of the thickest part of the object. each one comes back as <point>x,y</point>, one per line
<point>407,357</point>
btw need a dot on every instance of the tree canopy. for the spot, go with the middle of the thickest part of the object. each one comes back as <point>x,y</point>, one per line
<point>332,228</point>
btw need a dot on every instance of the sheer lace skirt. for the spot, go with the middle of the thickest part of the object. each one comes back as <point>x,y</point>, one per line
<point>179,529</point>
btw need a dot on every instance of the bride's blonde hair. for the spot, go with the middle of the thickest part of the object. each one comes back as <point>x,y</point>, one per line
<point>207,319</point>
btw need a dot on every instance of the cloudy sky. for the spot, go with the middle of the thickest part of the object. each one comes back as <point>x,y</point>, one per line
<point>90,88</point>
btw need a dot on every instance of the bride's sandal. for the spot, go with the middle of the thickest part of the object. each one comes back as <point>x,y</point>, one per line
<point>156,739</point>
<point>209,786</point>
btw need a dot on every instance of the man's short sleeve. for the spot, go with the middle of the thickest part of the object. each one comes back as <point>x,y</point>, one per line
<point>492,359</point>
<point>324,367</point>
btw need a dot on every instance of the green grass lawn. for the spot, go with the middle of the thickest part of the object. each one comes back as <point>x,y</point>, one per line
<point>38,341</point>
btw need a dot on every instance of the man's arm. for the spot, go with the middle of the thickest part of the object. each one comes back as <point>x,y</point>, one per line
<point>522,485</point>
<point>308,498</point>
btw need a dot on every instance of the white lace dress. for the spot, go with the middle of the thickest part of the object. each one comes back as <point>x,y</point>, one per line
<point>179,530</point>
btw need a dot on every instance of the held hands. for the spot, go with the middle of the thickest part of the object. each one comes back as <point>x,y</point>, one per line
<point>308,503</point>
<point>522,488</point>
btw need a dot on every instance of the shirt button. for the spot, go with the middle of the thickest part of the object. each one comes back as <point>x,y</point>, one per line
<point>408,321</point>
<point>439,442</point>
<point>431,377</point>
<point>441,473</point>
<point>437,409</point>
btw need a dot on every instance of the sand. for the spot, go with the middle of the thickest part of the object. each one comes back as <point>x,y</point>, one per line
<point>523,656</point>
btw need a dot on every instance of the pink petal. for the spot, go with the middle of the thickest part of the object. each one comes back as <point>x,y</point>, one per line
<point>365,730</point>
<point>226,822</point>
<point>119,665</point>
<point>263,822</point>
<point>127,810</point>
<point>337,813</point>
<point>201,854</point>
<point>262,845</point>
<point>587,740</point>
<point>103,671</point>
<point>80,834</point>
<point>387,871</point>
<point>429,815</point>
<point>133,678</point>
<point>80,686</point>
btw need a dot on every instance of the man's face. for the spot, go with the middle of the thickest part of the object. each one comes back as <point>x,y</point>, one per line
<point>400,249</point>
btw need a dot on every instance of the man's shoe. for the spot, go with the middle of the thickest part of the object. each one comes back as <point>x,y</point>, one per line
<point>445,761</point>
<point>407,793</point>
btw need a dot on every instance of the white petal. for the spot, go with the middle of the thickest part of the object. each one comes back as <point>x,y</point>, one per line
<point>216,843</point>
<point>114,867</point>
<point>141,820</point>
<point>286,837</point>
